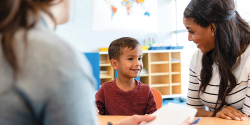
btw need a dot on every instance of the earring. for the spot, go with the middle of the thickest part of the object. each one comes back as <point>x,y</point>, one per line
<point>213,34</point>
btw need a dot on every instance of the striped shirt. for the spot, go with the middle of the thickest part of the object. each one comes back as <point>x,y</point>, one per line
<point>239,97</point>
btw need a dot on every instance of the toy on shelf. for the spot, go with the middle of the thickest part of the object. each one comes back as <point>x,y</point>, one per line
<point>165,47</point>
<point>145,47</point>
<point>104,49</point>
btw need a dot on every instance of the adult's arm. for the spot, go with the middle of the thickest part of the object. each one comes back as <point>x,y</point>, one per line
<point>193,99</point>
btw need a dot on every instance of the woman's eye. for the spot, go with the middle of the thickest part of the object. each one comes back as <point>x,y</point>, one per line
<point>139,58</point>
<point>130,58</point>
<point>191,32</point>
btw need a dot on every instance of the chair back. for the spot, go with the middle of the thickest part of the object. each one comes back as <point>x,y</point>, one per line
<point>158,97</point>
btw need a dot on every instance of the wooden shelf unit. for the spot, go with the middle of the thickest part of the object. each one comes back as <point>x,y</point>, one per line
<point>163,70</point>
<point>106,67</point>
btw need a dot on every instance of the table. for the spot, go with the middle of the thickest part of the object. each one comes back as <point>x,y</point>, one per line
<point>203,121</point>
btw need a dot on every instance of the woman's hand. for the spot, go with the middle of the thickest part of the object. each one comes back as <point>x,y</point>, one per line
<point>135,120</point>
<point>231,113</point>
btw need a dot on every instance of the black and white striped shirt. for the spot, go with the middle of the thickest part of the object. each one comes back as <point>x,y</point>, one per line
<point>239,97</point>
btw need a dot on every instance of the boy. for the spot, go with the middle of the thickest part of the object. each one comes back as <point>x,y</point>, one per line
<point>125,95</point>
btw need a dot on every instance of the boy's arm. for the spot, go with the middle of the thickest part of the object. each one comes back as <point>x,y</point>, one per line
<point>151,108</point>
<point>100,101</point>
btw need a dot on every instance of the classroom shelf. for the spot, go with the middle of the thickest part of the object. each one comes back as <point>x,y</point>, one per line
<point>159,85</point>
<point>143,75</point>
<point>175,84</point>
<point>176,89</point>
<point>105,77</point>
<point>159,68</point>
<point>163,71</point>
<point>164,90</point>
<point>159,74</point>
<point>105,64</point>
<point>160,62</point>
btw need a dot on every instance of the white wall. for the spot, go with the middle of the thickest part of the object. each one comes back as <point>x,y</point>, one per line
<point>78,31</point>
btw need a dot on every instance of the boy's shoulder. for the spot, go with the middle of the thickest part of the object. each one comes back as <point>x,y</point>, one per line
<point>107,84</point>
<point>142,84</point>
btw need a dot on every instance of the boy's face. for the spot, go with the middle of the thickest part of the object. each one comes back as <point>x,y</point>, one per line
<point>130,62</point>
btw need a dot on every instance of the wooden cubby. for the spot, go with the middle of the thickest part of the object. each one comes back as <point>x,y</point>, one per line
<point>144,80</point>
<point>163,70</point>
<point>176,89</point>
<point>160,79</point>
<point>160,68</point>
<point>176,78</point>
<point>106,70</point>
<point>159,57</point>
<point>165,90</point>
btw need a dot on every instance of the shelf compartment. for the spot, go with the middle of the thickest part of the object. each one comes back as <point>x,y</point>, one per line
<point>176,56</point>
<point>176,89</point>
<point>145,61</point>
<point>159,68</point>
<point>109,70</point>
<point>160,62</point>
<point>176,78</point>
<point>163,90</point>
<point>159,74</point>
<point>176,67</point>
<point>163,79</point>
<point>159,85</point>
<point>159,57</point>
<point>106,80</point>
<point>104,59</point>
<point>144,80</point>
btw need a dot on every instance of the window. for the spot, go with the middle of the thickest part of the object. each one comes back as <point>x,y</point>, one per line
<point>180,34</point>
<point>242,6</point>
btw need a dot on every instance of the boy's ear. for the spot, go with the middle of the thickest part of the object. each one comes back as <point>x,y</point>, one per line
<point>114,64</point>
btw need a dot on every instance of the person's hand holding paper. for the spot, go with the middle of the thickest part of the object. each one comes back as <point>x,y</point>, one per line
<point>173,114</point>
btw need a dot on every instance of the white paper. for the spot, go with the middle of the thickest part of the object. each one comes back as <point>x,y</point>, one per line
<point>172,114</point>
<point>116,15</point>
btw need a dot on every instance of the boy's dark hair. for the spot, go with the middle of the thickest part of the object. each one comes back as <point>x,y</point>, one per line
<point>117,45</point>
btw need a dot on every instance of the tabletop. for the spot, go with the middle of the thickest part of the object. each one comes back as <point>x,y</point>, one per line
<point>203,121</point>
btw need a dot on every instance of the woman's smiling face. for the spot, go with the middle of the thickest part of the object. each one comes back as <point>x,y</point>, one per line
<point>203,37</point>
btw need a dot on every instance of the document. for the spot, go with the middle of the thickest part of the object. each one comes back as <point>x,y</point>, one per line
<point>172,114</point>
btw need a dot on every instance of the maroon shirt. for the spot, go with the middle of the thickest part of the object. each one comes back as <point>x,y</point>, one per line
<point>111,100</point>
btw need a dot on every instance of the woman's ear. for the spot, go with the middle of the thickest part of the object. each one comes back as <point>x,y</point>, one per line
<point>213,28</point>
<point>114,64</point>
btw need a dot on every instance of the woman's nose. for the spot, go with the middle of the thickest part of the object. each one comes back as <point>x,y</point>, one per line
<point>190,38</point>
